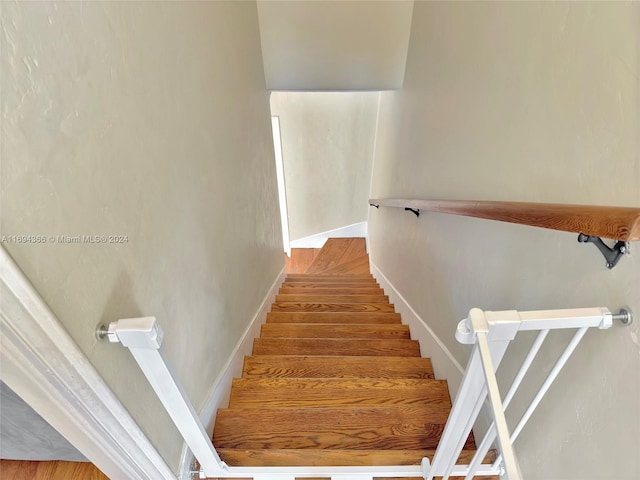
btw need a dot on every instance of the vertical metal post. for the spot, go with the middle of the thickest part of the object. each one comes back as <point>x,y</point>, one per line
<point>143,337</point>
<point>473,389</point>
<point>510,462</point>
<point>490,436</point>
<point>547,383</point>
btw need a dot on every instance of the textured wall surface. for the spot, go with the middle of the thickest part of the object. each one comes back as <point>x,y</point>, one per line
<point>534,102</point>
<point>25,435</point>
<point>327,148</point>
<point>148,121</point>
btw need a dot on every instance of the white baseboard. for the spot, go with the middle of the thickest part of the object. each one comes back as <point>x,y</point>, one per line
<point>220,391</point>
<point>319,239</point>
<point>445,365</point>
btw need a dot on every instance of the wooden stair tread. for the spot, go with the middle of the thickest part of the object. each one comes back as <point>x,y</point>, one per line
<point>333,282</point>
<point>331,254</point>
<point>337,275</point>
<point>331,307</point>
<point>314,393</point>
<point>353,266</point>
<point>336,457</point>
<point>330,275</point>
<point>344,298</point>
<point>306,285</point>
<point>302,366</point>
<point>324,330</point>
<point>333,317</point>
<point>342,279</point>
<point>336,346</point>
<point>300,259</point>
<point>357,248</point>
<point>289,290</point>
<point>312,286</point>
<point>349,428</point>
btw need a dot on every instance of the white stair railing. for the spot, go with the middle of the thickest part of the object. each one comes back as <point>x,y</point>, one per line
<point>143,337</point>
<point>490,334</point>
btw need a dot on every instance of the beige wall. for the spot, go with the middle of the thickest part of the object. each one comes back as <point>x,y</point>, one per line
<point>531,102</point>
<point>327,148</point>
<point>319,45</point>
<point>148,120</point>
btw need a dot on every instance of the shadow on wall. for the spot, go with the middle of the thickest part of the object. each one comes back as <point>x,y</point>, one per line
<point>25,435</point>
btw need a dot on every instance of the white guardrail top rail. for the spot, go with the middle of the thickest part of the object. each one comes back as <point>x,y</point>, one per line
<point>488,332</point>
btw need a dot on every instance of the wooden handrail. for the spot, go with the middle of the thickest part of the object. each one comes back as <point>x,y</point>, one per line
<point>619,223</point>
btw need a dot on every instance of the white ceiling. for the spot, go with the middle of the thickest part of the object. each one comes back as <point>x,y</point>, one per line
<point>319,45</point>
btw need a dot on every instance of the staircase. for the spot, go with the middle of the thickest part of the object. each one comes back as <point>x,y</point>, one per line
<point>334,379</point>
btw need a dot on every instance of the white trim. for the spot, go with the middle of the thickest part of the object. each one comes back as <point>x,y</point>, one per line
<point>373,162</point>
<point>220,391</point>
<point>282,186</point>
<point>349,473</point>
<point>319,239</point>
<point>45,367</point>
<point>445,364</point>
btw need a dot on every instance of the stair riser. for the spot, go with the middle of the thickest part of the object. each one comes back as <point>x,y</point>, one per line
<point>332,285</point>
<point>332,307</point>
<point>306,330</point>
<point>268,366</point>
<point>327,317</point>
<point>331,291</point>
<point>315,298</point>
<point>345,279</point>
<point>336,347</point>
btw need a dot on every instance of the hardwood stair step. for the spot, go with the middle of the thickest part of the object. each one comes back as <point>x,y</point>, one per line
<point>300,259</point>
<point>335,457</point>
<point>336,347</point>
<point>302,366</point>
<point>329,317</point>
<point>357,248</point>
<point>331,254</point>
<point>330,275</point>
<point>344,298</point>
<point>331,307</point>
<point>327,330</point>
<point>289,290</point>
<point>306,392</point>
<point>319,282</point>
<point>312,286</point>
<point>336,275</point>
<point>292,278</point>
<point>359,265</point>
<point>349,428</point>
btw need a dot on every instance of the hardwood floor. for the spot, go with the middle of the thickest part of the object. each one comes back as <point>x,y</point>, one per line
<point>300,259</point>
<point>55,470</point>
